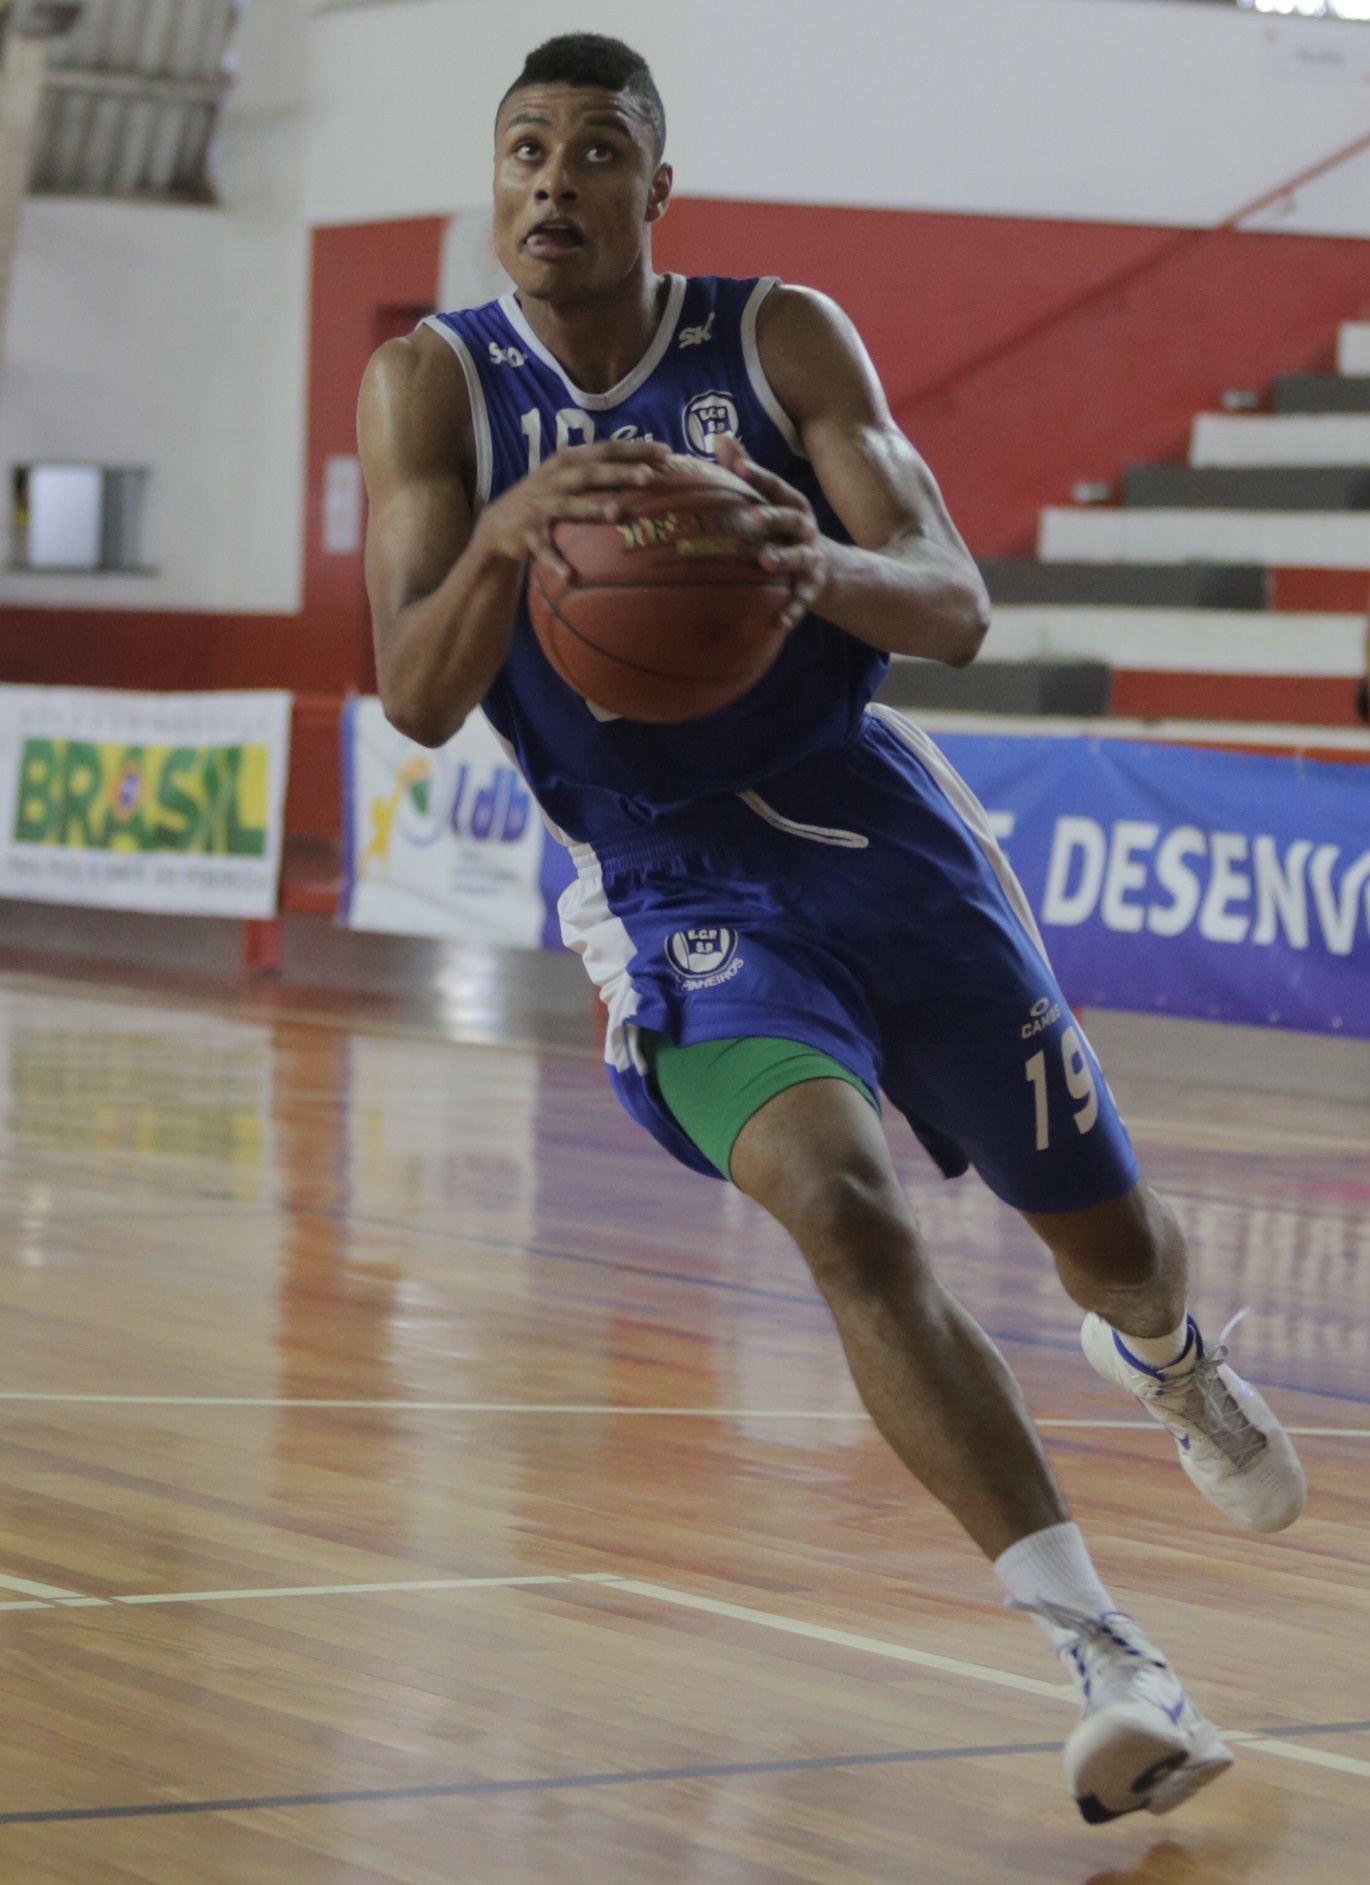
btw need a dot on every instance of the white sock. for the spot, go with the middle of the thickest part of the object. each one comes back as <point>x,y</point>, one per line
<point>1053,1566</point>
<point>1159,1351</point>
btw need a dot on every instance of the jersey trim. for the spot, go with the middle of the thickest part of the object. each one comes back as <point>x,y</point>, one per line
<point>641,373</point>
<point>971,813</point>
<point>480,412</point>
<point>756,373</point>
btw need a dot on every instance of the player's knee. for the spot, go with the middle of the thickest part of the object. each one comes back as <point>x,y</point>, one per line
<point>1129,1243</point>
<point>858,1234</point>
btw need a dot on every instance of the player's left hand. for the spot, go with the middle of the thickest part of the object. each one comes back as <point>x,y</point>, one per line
<point>793,543</point>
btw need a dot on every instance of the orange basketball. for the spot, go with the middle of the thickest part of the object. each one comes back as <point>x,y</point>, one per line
<point>667,615</point>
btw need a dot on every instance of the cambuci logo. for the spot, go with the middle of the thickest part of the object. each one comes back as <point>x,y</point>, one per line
<point>702,958</point>
<point>1045,1014</point>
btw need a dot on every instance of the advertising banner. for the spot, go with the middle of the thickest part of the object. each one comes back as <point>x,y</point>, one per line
<point>170,803</point>
<point>446,842</point>
<point>1226,885</point>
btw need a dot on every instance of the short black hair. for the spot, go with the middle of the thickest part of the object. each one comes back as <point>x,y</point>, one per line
<point>595,59</point>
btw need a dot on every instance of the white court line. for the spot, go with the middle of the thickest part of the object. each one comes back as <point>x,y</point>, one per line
<point>1296,1751</point>
<point>431,1407</point>
<point>71,1600</point>
<point>1149,1426</point>
<point>53,1592</point>
<point>975,1672</point>
<point>843,1639</point>
<point>58,1598</point>
<point>17,1397</point>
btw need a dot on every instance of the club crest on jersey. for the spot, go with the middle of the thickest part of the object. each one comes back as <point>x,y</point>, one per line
<point>697,336</point>
<point>507,356</point>
<point>704,958</point>
<point>710,417</point>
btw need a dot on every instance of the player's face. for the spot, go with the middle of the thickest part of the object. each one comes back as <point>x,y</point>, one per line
<point>577,185</point>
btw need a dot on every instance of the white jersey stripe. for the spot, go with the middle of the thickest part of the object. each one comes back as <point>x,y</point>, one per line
<point>601,940</point>
<point>756,373</point>
<point>971,813</point>
<point>480,415</point>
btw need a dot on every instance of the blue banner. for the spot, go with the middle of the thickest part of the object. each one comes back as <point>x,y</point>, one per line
<point>1226,885</point>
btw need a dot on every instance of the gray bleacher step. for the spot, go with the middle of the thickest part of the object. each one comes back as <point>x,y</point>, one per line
<point>1248,487</point>
<point>1127,585</point>
<point>1079,688</point>
<point>1319,392</point>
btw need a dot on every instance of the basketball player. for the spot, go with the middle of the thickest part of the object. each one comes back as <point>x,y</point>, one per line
<point>795,901</point>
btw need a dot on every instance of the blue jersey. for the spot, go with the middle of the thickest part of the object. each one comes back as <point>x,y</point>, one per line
<point>599,779</point>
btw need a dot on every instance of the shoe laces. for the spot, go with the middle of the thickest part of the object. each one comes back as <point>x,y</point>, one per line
<point>1095,1643</point>
<point>1203,1400</point>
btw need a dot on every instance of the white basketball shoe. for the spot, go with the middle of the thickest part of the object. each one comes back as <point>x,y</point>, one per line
<point>1230,1443</point>
<point>1140,1743</point>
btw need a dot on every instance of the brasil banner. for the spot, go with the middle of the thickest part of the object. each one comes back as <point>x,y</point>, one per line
<point>169,803</point>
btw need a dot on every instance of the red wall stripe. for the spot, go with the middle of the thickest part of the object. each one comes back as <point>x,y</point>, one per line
<point>1119,381</point>
<point>1273,699</point>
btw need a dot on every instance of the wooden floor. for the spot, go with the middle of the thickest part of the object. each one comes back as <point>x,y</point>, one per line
<point>410,1475</point>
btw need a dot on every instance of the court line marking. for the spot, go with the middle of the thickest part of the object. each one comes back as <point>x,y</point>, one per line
<point>552,1783</point>
<point>545,1783</point>
<point>18,1397</point>
<point>73,1600</point>
<point>1273,1743</point>
<point>1260,1742</point>
<point>1285,1750</point>
<point>841,1639</point>
<point>53,1593</point>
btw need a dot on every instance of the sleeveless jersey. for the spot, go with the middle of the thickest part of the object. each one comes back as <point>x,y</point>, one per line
<point>597,778</point>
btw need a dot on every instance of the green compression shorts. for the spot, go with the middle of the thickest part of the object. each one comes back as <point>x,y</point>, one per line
<point>713,1087</point>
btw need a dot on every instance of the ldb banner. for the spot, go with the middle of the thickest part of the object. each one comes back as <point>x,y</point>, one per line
<point>447,842</point>
<point>169,803</point>
<point>1227,885</point>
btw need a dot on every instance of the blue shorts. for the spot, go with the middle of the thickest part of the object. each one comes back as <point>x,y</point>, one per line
<point>860,904</point>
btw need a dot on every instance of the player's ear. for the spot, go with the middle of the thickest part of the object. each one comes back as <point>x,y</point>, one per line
<point>659,196</point>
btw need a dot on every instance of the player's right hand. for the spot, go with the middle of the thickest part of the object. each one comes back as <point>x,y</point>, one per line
<point>577,482</point>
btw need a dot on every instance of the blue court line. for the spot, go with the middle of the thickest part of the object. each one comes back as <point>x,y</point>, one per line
<point>554,1783</point>
<point>551,1783</point>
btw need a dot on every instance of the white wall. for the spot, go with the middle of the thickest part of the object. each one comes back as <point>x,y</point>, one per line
<point>174,338</point>
<point>1127,111</point>
<point>116,318</point>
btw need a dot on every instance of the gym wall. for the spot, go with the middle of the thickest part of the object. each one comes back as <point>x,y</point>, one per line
<point>957,174</point>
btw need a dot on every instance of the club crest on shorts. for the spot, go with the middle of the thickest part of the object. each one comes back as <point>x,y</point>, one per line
<point>710,417</point>
<point>702,958</point>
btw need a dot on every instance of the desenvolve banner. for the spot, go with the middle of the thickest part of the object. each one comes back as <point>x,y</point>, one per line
<point>1227,885</point>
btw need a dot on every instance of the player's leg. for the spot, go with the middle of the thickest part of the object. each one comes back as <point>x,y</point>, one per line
<point>816,1158</point>
<point>1125,1263</point>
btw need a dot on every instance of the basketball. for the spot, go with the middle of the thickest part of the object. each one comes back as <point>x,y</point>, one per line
<point>666,615</point>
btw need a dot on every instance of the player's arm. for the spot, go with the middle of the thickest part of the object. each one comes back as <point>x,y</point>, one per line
<point>909,585</point>
<point>444,584</point>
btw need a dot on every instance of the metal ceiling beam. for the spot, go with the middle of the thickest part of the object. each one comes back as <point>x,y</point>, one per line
<point>44,19</point>
<point>144,86</point>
